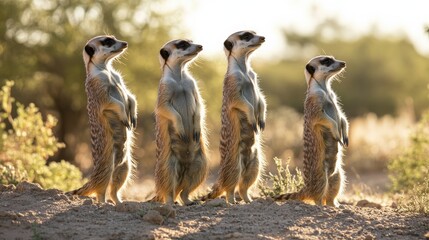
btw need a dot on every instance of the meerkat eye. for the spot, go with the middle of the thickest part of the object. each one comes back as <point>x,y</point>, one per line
<point>327,62</point>
<point>246,36</point>
<point>108,42</point>
<point>183,45</point>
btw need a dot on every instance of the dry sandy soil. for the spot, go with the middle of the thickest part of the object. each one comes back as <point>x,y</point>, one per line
<point>29,212</point>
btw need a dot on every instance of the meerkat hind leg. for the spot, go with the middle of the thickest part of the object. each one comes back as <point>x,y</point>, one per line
<point>333,189</point>
<point>121,162</point>
<point>119,177</point>
<point>194,174</point>
<point>249,175</point>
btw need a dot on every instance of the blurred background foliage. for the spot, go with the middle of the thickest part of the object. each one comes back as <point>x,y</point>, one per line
<point>383,91</point>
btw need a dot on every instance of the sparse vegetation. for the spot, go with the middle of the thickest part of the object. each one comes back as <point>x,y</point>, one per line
<point>409,172</point>
<point>283,181</point>
<point>26,143</point>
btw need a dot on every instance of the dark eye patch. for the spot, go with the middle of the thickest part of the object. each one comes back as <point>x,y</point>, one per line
<point>108,42</point>
<point>183,45</point>
<point>246,36</point>
<point>327,61</point>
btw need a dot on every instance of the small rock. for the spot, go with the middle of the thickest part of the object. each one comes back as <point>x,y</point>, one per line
<point>9,187</point>
<point>236,235</point>
<point>347,211</point>
<point>88,201</point>
<point>298,208</point>
<point>10,215</point>
<point>267,200</point>
<point>54,191</point>
<point>154,217</point>
<point>427,235</point>
<point>394,205</point>
<point>61,197</point>
<point>27,186</point>
<point>366,203</point>
<point>166,210</point>
<point>128,207</point>
<point>369,237</point>
<point>218,202</point>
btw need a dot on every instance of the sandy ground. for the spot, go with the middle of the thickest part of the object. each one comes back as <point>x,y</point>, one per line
<point>29,212</point>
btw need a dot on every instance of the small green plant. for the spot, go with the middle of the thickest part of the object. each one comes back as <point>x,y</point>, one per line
<point>36,232</point>
<point>418,198</point>
<point>283,181</point>
<point>26,142</point>
<point>409,172</point>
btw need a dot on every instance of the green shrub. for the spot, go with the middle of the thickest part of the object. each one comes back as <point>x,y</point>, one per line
<point>26,142</point>
<point>283,181</point>
<point>409,172</point>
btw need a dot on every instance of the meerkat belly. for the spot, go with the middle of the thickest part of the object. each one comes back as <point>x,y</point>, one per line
<point>247,139</point>
<point>331,151</point>
<point>249,92</point>
<point>331,111</point>
<point>184,103</point>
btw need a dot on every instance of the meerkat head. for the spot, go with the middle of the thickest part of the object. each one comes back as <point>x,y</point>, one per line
<point>323,68</point>
<point>102,49</point>
<point>242,43</point>
<point>178,52</point>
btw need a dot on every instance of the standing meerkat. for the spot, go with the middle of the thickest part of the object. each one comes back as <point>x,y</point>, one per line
<point>243,118</point>
<point>325,132</point>
<point>180,126</point>
<point>112,112</point>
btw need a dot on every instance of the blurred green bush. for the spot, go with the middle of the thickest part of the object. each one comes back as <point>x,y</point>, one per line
<point>26,143</point>
<point>409,172</point>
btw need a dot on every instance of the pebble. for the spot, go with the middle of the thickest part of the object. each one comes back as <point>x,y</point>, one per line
<point>167,211</point>
<point>366,203</point>
<point>88,201</point>
<point>154,217</point>
<point>27,186</point>
<point>128,207</point>
<point>218,202</point>
<point>347,211</point>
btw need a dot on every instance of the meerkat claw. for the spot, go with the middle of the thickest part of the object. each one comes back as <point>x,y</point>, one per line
<point>255,127</point>
<point>261,125</point>
<point>346,141</point>
<point>134,122</point>
<point>197,136</point>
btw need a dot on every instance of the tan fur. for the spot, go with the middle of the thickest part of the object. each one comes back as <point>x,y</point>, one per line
<point>112,113</point>
<point>325,132</point>
<point>180,126</point>
<point>243,118</point>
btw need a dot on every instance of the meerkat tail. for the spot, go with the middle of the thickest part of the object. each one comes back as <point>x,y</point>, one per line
<point>290,196</point>
<point>216,192</point>
<point>85,190</point>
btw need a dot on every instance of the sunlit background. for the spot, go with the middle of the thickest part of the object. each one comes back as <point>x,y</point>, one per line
<point>383,91</point>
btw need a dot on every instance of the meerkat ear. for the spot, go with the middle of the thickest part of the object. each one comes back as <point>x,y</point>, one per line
<point>164,54</point>
<point>310,69</point>
<point>228,45</point>
<point>89,50</point>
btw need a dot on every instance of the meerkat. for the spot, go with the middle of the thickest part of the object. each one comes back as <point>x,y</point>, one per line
<point>325,133</point>
<point>180,126</point>
<point>112,111</point>
<point>243,120</point>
